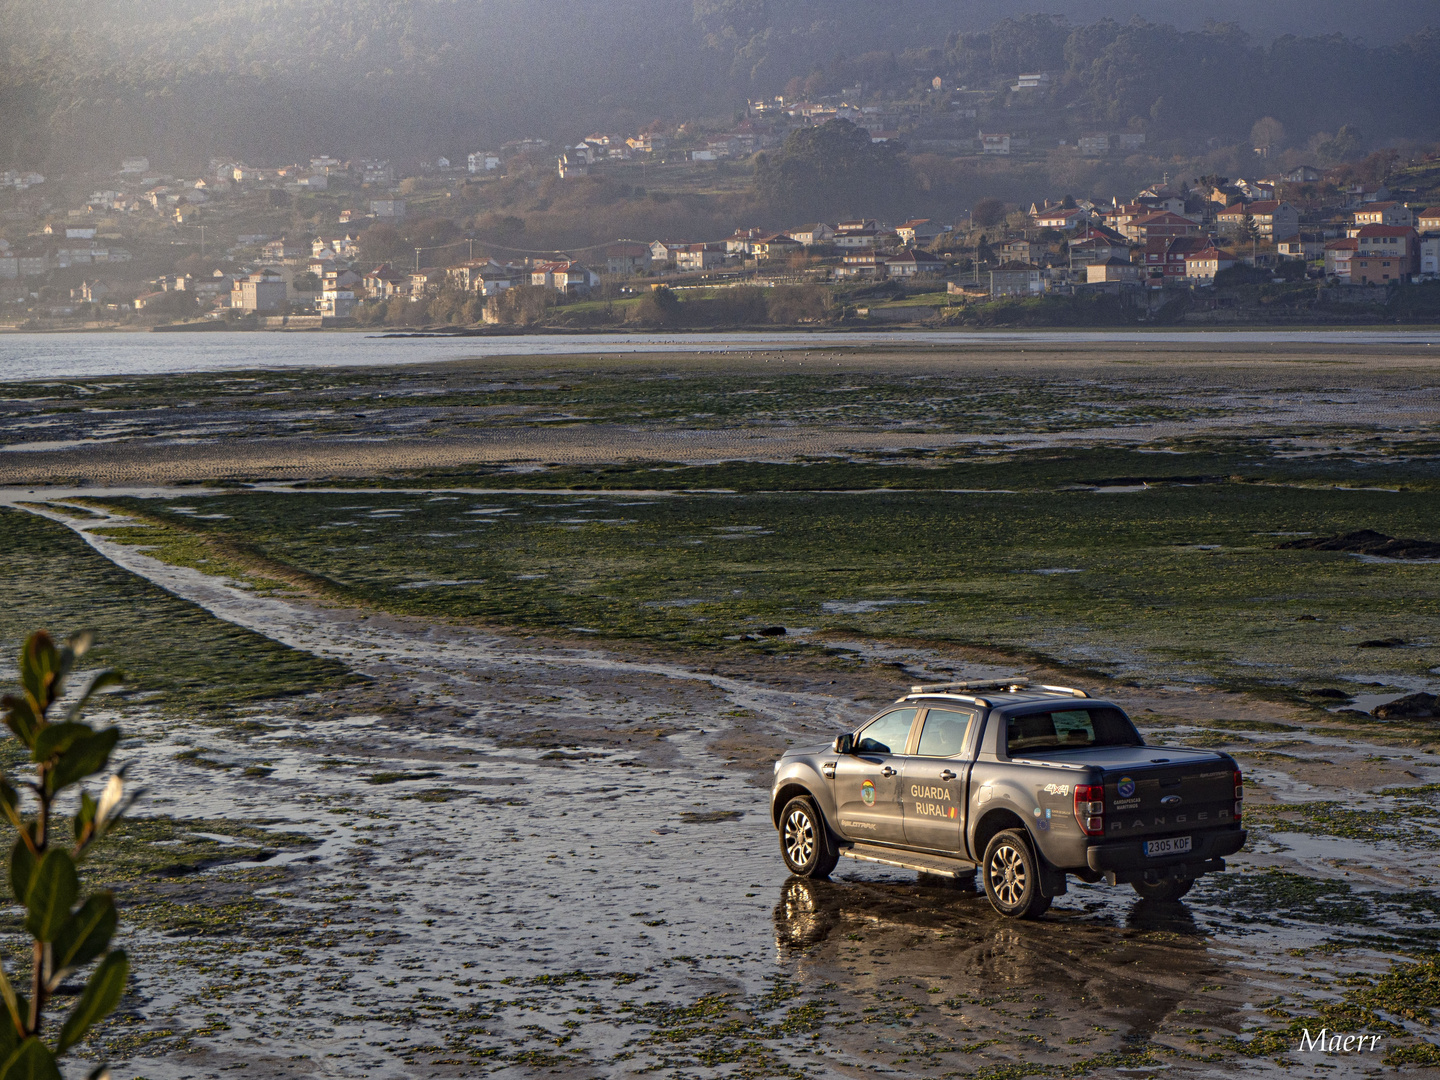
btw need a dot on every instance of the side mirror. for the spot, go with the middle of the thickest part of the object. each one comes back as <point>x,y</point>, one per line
<point>844,744</point>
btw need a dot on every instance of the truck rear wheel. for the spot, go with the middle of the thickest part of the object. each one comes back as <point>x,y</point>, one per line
<point>1012,876</point>
<point>805,841</point>
<point>1169,889</point>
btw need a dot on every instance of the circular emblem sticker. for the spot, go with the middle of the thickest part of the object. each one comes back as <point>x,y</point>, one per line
<point>1125,788</point>
<point>867,793</point>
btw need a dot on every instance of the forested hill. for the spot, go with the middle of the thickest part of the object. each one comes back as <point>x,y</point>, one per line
<point>271,80</point>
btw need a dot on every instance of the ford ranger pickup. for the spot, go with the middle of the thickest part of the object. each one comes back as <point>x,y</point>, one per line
<point>1028,783</point>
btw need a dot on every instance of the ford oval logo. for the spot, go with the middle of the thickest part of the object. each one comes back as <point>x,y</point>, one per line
<point>1170,800</point>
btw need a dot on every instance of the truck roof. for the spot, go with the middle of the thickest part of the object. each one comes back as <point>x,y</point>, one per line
<point>991,692</point>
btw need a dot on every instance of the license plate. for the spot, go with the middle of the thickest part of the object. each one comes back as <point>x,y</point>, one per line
<point>1173,845</point>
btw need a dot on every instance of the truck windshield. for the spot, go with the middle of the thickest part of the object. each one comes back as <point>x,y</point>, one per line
<point>1068,729</point>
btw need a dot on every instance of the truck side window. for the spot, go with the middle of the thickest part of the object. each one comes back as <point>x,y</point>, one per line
<point>944,733</point>
<point>887,734</point>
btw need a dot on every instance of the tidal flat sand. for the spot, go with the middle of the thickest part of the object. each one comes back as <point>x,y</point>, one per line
<point>437,792</point>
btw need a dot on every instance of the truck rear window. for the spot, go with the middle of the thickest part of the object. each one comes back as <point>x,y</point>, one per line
<point>1067,729</point>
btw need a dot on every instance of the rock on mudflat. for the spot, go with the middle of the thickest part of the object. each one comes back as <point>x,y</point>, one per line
<point>1369,542</point>
<point>1410,707</point>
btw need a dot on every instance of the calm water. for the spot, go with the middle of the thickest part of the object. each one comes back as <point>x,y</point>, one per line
<point>68,356</point>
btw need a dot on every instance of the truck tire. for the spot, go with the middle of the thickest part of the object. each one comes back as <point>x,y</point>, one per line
<point>1011,872</point>
<point>805,840</point>
<point>1163,891</point>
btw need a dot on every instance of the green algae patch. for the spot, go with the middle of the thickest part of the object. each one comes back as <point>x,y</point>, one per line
<point>175,654</point>
<point>1169,583</point>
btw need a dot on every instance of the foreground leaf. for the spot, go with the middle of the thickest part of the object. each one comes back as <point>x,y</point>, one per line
<point>22,870</point>
<point>101,994</point>
<point>54,888</point>
<point>87,757</point>
<point>32,1061</point>
<point>108,677</point>
<point>84,935</point>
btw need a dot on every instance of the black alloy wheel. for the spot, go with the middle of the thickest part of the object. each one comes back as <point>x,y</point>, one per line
<point>1012,876</point>
<point>805,841</point>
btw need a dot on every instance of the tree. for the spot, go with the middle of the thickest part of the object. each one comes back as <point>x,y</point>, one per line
<point>383,243</point>
<point>1267,134</point>
<point>306,281</point>
<point>67,933</point>
<point>988,212</point>
<point>832,170</point>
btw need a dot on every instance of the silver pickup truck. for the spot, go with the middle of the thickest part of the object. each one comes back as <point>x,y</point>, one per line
<point>1029,783</point>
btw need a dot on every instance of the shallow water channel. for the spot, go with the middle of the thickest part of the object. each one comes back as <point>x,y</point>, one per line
<point>478,906</point>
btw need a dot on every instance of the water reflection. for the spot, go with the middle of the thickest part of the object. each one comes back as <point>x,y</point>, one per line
<point>1084,980</point>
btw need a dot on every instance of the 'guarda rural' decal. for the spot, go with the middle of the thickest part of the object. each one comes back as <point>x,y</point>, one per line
<point>867,793</point>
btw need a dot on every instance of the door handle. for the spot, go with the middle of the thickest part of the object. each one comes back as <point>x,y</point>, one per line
<point>947,775</point>
<point>888,771</point>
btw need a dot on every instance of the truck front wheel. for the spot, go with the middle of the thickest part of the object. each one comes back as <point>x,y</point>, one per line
<point>1012,876</point>
<point>805,841</point>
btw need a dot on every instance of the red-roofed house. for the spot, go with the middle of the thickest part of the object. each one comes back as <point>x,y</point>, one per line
<point>1160,226</point>
<point>1165,257</point>
<point>1428,220</point>
<point>1387,242</point>
<point>1058,217</point>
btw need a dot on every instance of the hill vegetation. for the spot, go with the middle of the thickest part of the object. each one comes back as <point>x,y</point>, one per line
<point>278,80</point>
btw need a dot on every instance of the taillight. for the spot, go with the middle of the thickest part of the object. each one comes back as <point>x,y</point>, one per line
<point>1090,808</point>
<point>1239,795</point>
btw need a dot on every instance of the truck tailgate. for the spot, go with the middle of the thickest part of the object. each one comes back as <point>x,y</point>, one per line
<point>1167,799</point>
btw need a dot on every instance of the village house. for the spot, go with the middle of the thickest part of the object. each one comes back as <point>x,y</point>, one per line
<point>383,283</point>
<point>336,302</point>
<point>1093,145</point>
<point>1272,220</point>
<point>1428,220</point>
<point>1399,243</point>
<point>1430,255</point>
<point>1384,213</point>
<point>912,263</point>
<point>1338,254</point>
<point>862,264</point>
<point>283,250</point>
<point>1306,246</point>
<point>815,234</point>
<point>482,162</point>
<point>262,291</point>
<point>1096,245</point>
<point>995,143</point>
<point>387,209</point>
<point>700,257</point>
<point>1113,269</point>
<point>739,242</point>
<point>1016,279</point>
<point>627,258</point>
<point>1059,217</point>
<point>774,246</point>
<point>1202,266</point>
<point>1165,258</point>
<point>1161,225</point>
<point>663,252</point>
<point>918,232</point>
<point>567,277</point>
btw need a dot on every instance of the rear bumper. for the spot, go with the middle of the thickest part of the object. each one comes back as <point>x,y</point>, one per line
<point>1126,861</point>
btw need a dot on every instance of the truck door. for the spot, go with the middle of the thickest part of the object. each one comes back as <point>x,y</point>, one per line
<point>934,781</point>
<point>868,783</point>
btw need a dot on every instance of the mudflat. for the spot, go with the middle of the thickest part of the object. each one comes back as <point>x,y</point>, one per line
<point>450,687</point>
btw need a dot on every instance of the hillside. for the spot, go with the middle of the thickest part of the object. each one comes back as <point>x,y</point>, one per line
<point>180,80</point>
